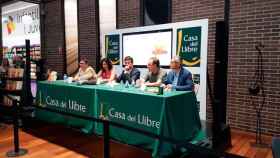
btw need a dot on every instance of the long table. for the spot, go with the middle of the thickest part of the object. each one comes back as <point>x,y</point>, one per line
<point>173,114</point>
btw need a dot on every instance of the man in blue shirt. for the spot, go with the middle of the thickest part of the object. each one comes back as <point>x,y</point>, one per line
<point>178,78</point>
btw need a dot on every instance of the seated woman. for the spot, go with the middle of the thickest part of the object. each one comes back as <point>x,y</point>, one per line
<point>107,72</point>
<point>85,72</point>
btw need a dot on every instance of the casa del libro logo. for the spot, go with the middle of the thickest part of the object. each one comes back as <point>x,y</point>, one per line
<point>189,46</point>
<point>61,103</point>
<point>109,112</point>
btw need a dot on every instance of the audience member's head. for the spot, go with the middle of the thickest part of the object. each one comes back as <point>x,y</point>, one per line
<point>51,75</point>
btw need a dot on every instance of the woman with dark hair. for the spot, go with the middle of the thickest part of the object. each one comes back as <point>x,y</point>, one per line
<point>107,72</point>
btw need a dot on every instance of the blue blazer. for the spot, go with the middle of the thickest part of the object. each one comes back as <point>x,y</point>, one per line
<point>133,75</point>
<point>185,82</point>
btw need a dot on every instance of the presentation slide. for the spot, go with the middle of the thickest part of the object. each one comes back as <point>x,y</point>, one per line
<point>142,46</point>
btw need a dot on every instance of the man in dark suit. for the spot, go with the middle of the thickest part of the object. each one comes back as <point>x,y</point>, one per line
<point>129,73</point>
<point>178,78</point>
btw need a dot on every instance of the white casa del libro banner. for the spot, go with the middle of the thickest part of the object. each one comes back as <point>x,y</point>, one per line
<point>187,39</point>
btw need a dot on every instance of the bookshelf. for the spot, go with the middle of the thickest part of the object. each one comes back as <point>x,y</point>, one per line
<point>19,52</point>
<point>16,80</point>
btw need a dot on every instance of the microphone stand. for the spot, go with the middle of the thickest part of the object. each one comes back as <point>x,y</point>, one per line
<point>254,90</point>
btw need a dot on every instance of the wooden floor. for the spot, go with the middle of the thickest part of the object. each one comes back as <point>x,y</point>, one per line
<point>241,145</point>
<point>59,142</point>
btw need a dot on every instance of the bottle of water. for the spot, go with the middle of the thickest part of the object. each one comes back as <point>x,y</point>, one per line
<point>126,84</point>
<point>65,78</point>
<point>133,83</point>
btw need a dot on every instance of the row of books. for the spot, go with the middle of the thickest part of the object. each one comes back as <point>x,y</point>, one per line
<point>7,101</point>
<point>10,53</point>
<point>13,85</point>
<point>15,72</point>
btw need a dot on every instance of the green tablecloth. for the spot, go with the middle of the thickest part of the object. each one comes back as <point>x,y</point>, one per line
<point>174,114</point>
<point>68,98</point>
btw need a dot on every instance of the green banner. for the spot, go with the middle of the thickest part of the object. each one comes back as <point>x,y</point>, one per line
<point>189,46</point>
<point>67,98</point>
<point>112,48</point>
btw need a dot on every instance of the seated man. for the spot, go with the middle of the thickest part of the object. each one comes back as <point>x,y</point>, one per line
<point>178,78</point>
<point>156,76</point>
<point>129,73</point>
<point>85,72</point>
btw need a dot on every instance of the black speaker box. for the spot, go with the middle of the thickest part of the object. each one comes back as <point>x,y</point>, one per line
<point>221,64</point>
<point>221,138</point>
<point>156,11</point>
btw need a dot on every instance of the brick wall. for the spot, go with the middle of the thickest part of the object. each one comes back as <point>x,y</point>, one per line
<point>53,35</point>
<point>88,31</point>
<point>128,13</point>
<point>254,21</point>
<point>251,21</point>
